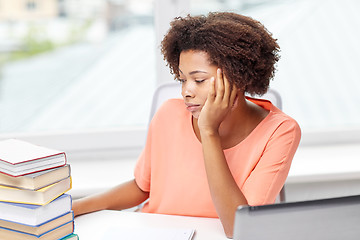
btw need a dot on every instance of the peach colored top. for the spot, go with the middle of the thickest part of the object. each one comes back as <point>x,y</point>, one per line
<point>171,166</point>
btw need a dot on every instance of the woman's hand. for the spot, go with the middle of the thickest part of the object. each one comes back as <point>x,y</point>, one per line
<point>219,102</point>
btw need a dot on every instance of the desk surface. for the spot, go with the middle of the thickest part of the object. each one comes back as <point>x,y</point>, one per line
<point>94,226</point>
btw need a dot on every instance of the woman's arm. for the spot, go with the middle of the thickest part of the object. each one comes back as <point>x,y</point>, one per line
<point>123,196</point>
<point>225,193</point>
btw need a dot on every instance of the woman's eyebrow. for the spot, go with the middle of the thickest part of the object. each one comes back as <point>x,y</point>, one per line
<point>197,71</point>
<point>194,72</point>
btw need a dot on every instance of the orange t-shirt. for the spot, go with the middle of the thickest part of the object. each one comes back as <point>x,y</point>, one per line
<point>171,166</point>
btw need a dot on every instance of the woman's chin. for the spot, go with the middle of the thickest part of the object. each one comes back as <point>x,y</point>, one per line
<point>195,115</point>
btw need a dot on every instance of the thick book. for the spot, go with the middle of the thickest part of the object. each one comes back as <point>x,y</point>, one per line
<point>35,181</point>
<point>41,228</point>
<point>38,197</point>
<point>34,215</point>
<point>18,157</point>
<point>54,234</point>
<point>72,236</point>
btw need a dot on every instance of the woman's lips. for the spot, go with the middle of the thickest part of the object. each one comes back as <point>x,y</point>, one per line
<point>192,107</point>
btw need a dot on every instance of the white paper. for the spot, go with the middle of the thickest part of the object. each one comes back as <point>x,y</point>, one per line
<point>141,233</point>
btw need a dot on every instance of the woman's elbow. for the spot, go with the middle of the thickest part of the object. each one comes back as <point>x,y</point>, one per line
<point>229,233</point>
<point>229,230</point>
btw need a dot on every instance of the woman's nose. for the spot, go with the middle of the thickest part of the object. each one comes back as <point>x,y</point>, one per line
<point>187,90</point>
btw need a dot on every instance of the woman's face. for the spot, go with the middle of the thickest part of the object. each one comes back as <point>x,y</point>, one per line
<point>195,72</point>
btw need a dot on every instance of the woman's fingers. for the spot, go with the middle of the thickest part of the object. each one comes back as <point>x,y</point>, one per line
<point>225,92</point>
<point>219,85</point>
<point>212,89</point>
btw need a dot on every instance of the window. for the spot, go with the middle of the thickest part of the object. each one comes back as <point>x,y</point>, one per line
<point>88,72</point>
<point>81,71</point>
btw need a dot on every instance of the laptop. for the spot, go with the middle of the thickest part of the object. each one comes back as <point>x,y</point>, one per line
<point>328,219</point>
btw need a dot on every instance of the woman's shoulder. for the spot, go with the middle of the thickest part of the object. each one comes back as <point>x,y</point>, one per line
<point>171,105</point>
<point>280,124</point>
<point>171,108</point>
<point>277,121</point>
<point>281,117</point>
<point>275,114</point>
<point>173,102</point>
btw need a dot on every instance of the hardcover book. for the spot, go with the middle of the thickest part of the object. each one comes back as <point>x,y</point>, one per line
<point>35,181</point>
<point>56,233</point>
<point>38,197</point>
<point>38,229</point>
<point>18,157</point>
<point>34,215</point>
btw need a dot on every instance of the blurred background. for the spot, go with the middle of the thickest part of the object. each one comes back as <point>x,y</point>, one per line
<point>79,75</point>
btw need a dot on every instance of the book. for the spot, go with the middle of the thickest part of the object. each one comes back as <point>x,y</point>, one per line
<point>56,233</point>
<point>72,236</point>
<point>41,196</point>
<point>35,181</point>
<point>29,214</point>
<point>41,228</point>
<point>18,157</point>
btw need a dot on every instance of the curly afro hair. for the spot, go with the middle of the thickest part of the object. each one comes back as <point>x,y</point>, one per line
<point>239,45</point>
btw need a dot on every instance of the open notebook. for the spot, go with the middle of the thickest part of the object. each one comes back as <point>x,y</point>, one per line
<point>141,233</point>
<point>330,219</point>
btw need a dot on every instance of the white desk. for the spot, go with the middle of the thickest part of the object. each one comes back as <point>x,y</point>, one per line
<point>93,226</point>
<point>325,163</point>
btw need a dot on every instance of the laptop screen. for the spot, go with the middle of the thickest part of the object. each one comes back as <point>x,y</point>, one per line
<point>332,218</point>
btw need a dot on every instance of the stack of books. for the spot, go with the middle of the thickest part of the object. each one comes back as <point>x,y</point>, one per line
<point>33,200</point>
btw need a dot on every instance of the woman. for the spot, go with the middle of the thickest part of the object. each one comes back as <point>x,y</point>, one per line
<point>216,149</point>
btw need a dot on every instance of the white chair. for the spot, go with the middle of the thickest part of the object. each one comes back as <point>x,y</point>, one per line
<point>173,90</point>
<point>273,96</point>
<point>162,93</point>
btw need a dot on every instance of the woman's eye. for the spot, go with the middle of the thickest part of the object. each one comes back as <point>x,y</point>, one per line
<point>200,81</point>
<point>181,80</point>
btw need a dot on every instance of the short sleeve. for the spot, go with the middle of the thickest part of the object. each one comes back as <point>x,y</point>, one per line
<point>142,170</point>
<point>269,175</point>
<point>153,147</point>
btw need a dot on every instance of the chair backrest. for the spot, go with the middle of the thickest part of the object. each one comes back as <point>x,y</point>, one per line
<point>273,96</point>
<point>173,90</point>
<point>163,93</point>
